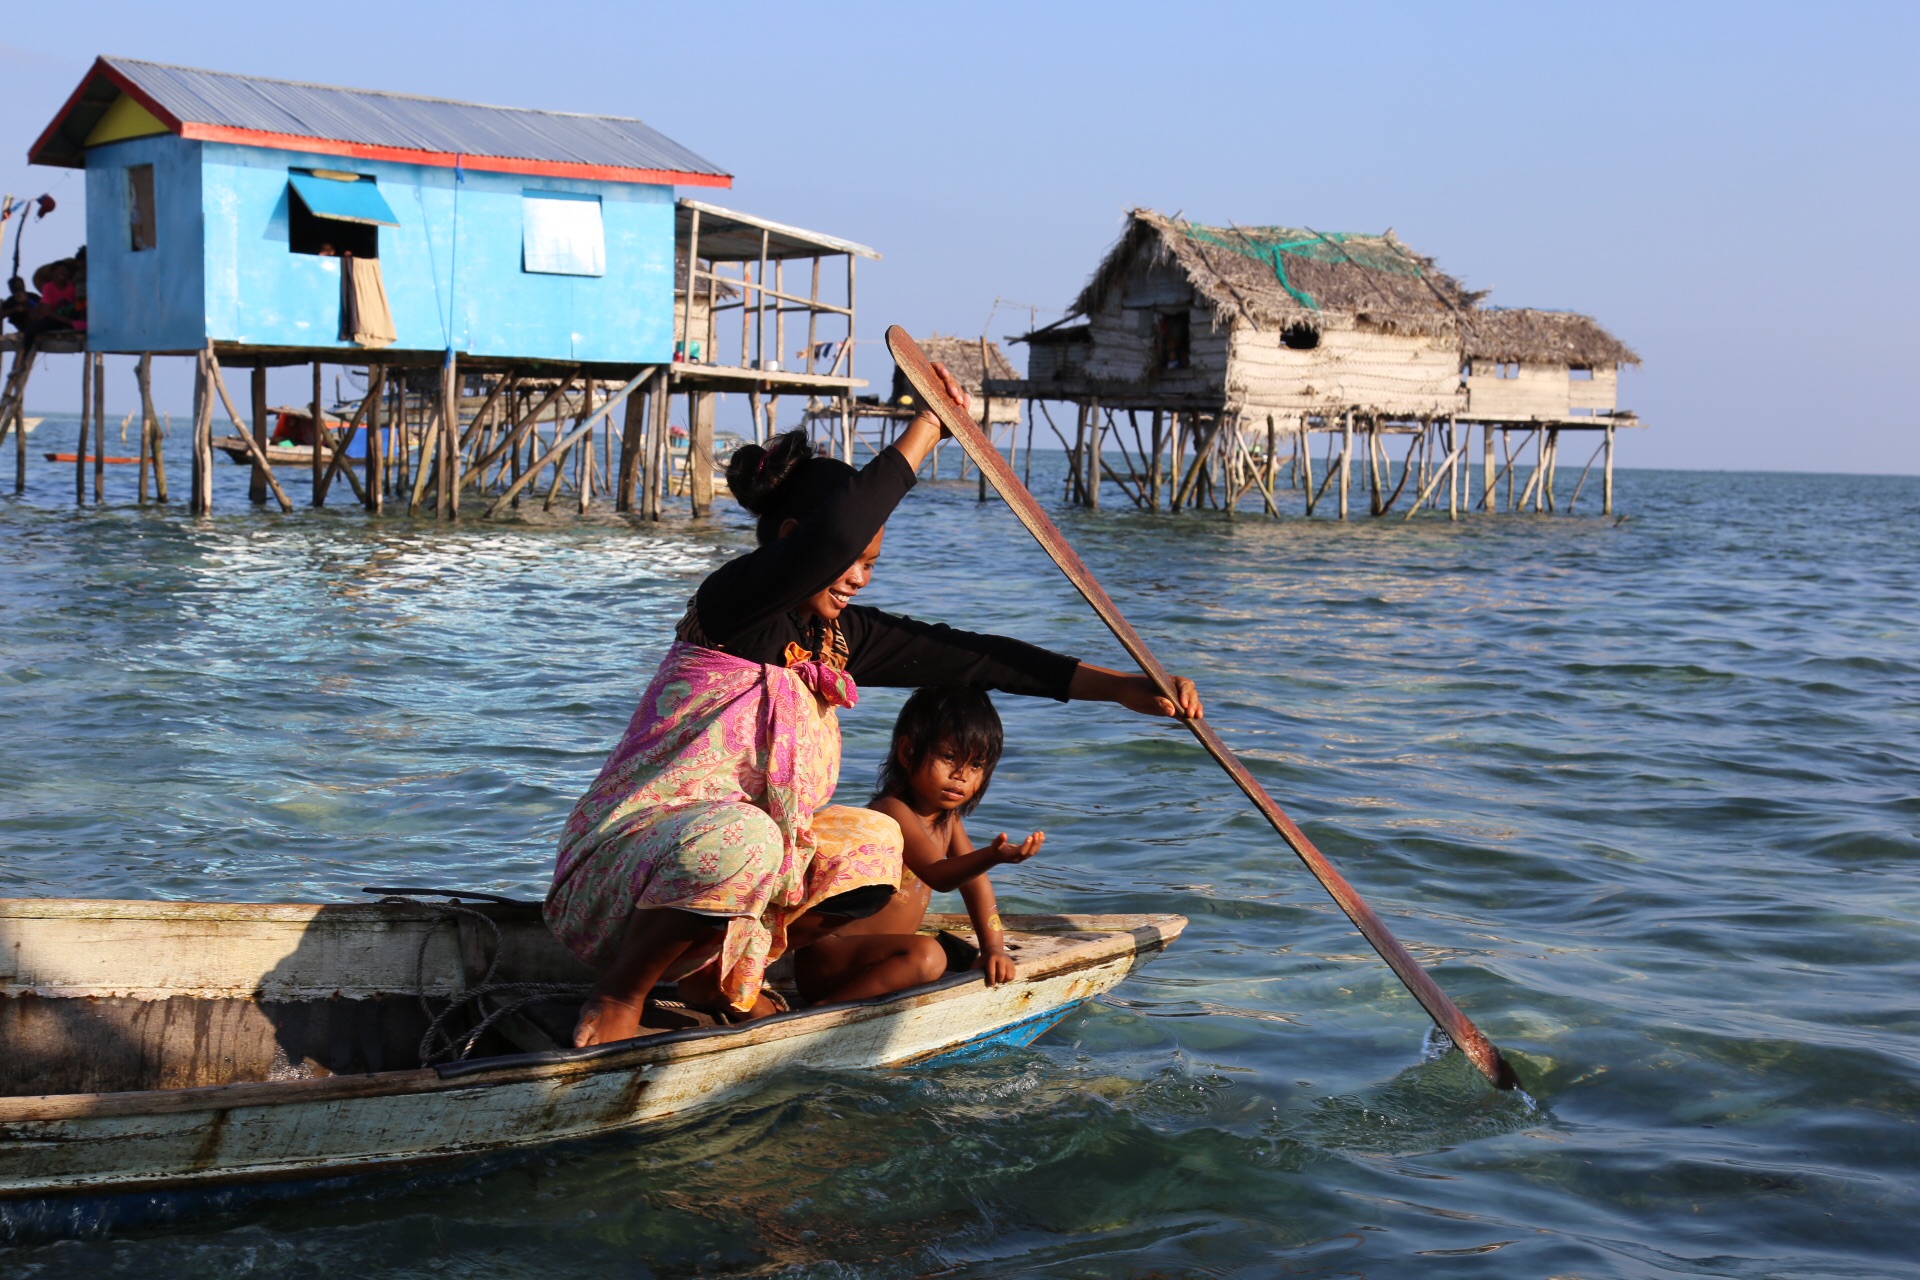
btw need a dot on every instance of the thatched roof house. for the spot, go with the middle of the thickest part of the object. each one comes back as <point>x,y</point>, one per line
<point>1256,321</point>
<point>1519,363</point>
<point>961,356</point>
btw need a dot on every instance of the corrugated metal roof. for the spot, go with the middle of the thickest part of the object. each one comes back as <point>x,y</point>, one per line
<point>216,105</point>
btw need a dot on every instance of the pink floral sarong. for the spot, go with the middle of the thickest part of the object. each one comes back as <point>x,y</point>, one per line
<point>715,802</point>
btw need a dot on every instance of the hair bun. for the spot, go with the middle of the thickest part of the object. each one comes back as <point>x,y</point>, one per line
<point>755,473</point>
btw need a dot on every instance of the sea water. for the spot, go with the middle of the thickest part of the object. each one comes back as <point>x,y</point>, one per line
<point>1643,793</point>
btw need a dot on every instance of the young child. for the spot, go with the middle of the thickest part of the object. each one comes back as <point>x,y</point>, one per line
<point>945,745</point>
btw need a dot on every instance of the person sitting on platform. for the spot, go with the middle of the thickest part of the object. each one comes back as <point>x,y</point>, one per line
<point>945,746</point>
<point>20,304</point>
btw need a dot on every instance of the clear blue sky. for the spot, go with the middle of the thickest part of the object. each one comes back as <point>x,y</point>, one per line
<point>1728,188</point>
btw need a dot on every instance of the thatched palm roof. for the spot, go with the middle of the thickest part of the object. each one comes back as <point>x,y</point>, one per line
<point>962,358</point>
<point>1275,277</point>
<point>1542,337</point>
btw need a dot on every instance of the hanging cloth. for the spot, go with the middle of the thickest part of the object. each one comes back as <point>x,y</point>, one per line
<point>365,318</point>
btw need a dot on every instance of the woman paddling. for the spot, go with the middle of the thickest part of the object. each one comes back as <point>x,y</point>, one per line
<point>706,846</point>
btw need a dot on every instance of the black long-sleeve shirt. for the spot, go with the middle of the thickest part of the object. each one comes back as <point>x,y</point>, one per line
<point>750,607</point>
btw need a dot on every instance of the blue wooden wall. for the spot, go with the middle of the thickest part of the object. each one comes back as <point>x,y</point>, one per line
<point>223,269</point>
<point>152,300</point>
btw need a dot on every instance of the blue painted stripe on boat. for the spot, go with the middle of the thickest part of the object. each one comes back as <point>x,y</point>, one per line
<point>1017,1035</point>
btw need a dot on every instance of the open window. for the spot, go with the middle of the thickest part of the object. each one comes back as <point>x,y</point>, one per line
<point>563,234</point>
<point>1299,337</point>
<point>1172,340</point>
<point>333,214</point>
<point>142,229</point>
<point>1580,373</point>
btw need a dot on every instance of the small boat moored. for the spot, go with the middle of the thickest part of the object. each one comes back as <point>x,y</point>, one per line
<point>171,1046</point>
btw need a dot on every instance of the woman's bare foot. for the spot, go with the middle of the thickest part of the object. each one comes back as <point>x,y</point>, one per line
<point>604,1020</point>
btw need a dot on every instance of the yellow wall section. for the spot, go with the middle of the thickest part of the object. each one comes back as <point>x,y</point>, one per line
<point>124,119</point>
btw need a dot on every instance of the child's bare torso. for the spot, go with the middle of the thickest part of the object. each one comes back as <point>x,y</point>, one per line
<point>908,909</point>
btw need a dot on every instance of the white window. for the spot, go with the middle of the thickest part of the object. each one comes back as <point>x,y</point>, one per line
<point>563,235</point>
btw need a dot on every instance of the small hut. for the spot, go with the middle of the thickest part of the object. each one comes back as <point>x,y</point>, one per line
<point>1523,365</point>
<point>1241,339</point>
<point>962,358</point>
<point>1245,343</point>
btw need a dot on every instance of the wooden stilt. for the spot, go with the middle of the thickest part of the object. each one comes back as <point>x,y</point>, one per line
<point>654,488</point>
<point>142,375</point>
<point>1096,429</point>
<point>1155,475</point>
<point>1270,468</point>
<point>633,430</point>
<point>86,425</point>
<point>700,453</point>
<point>447,496</point>
<point>1027,468</point>
<point>256,478</point>
<point>1486,466</point>
<point>13,410</point>
<point>1306,462</point>
<point>1454,471</point>
<point>1346,460</point>
<point>1606,492</point>
<point>202,501</point>
<point>317,406</point>
<point>371,496</point>
<point>99,427</point>
<point>1373,469</point>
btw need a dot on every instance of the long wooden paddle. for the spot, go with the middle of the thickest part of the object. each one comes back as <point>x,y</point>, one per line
<point>914,363</point>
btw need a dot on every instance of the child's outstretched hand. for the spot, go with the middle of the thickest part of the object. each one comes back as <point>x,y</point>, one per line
<point>1005,853</point>
<point>998,966</point>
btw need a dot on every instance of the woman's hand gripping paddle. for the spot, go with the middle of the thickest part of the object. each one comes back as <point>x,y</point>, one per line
<point>1446,1015</point>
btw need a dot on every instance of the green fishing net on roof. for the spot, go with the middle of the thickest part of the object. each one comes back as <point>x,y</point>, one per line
<point>1275,246</point>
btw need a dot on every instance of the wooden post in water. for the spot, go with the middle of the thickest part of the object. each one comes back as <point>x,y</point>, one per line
<point>202,501</point>
<point>1154,474</point>
<point>447,496</point>
<point>1346,459</point>
<point>256,477</point>
<point>1094,432</point>
<point>140,375</point>
<point>700,452</point>
<point>1454,472</point>
<point>1486,466</point>
<point>1606,492</point>
<point>633,430</point>
<point>86,423</point>
<point>99,427</point>
<point>317,407</point>
<point>376,442</point>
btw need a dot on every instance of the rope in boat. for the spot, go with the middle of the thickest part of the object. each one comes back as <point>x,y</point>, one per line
<point>439,1044</point>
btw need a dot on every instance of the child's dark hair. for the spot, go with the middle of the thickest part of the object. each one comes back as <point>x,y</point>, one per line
<point>962,721</point>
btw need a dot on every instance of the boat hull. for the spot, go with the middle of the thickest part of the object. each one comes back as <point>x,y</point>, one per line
<point>154,1140</point>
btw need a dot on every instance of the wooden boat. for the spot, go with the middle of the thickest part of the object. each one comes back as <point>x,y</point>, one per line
<point>110,460</point>
<point>278,455</point>
<point>173,1047</point>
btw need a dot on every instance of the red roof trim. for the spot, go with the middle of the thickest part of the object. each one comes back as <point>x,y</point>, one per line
<point>447,160</point>
<point>99,69</point>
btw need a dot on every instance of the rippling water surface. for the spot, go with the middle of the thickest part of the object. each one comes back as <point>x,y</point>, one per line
<point>1644,795</point>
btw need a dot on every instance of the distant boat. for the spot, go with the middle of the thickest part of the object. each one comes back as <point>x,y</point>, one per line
<point>151,1048</point>
<point>278,455</point>
<point>110,460</point>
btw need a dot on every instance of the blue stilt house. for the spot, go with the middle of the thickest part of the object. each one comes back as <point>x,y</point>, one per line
<point>275,216</point>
